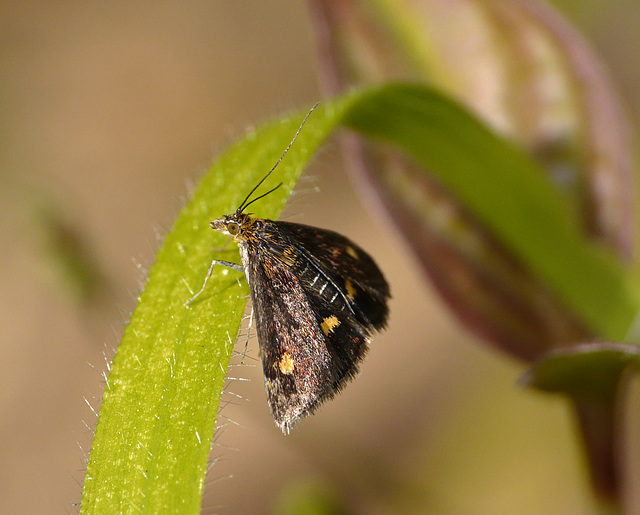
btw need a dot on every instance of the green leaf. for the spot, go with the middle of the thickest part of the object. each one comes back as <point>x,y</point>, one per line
<point>161,399</point>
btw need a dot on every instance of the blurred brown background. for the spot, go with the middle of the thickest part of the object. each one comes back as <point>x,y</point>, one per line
<point>108,111</point>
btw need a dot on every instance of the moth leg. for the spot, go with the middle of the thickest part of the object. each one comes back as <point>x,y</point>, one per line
<point>246,342</point>
<point>222,247</point>
<point>233,266</point>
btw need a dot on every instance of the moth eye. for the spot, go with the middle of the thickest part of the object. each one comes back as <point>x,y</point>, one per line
<point>233,228</point>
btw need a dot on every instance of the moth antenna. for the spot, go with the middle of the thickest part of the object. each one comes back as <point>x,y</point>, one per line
<point>243,205</point>
<point>263,195</point>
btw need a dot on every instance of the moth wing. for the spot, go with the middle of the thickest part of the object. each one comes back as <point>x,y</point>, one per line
<point>347,266</point>
<point>304,361</point>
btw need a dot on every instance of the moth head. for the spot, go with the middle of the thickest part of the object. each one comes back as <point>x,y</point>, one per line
<point>239,224</point>
<point>233,225</point>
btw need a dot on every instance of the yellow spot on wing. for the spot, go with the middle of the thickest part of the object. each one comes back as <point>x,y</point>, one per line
<point>286,364</point>
<point>329,324</point>
<point>352,252</point>
<point>351,291</point>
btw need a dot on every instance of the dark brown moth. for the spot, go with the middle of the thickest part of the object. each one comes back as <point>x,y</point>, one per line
<point>317,298</point>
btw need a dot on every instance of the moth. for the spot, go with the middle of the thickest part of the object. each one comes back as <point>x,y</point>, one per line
<point>317,299</point>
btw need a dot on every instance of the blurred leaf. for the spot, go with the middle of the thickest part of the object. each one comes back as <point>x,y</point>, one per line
<point>590,374</point>
<point>308,496</point>
<point>584,370</point>
<point>66,249</point>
